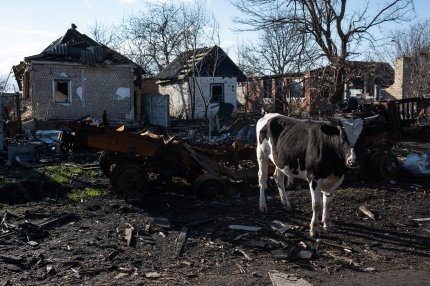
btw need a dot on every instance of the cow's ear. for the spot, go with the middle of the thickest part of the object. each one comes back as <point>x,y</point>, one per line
<point>330,130</point>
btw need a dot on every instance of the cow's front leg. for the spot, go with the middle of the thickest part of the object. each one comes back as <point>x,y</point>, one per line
<point>279,178</point>
<point>315,188</point>
<point>327,199</point>
<point>328,192</point>
<point>263,163</point>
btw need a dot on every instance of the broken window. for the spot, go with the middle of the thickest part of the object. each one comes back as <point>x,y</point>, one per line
<point>217,92</point>
<point>297,89</point>
<point>267,88</point>
<point>62,91</point>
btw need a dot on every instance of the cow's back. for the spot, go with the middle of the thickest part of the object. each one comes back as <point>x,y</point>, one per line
<point>299,145</point>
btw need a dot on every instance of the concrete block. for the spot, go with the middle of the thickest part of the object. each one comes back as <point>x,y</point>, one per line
<point>24,153</point>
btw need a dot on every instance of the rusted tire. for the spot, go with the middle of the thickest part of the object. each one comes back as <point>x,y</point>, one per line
<point>373,163</point>
<point>64,147</point>
<point>388,166</point>
<point>128,180</point>
<point>383,165</point>
<point>207,187</point>
<point>106,162</point>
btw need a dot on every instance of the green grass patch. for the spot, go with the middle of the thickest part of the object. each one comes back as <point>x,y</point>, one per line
<point>78,194</point>
<point>61,174</point>
<point>4,206</point>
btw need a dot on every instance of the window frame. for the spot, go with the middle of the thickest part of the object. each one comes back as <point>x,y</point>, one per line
<point>69,90</point>
<point>222,99</point>
<point>267,89</point>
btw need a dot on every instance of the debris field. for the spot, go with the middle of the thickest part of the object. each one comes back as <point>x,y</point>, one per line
<point>381,235</point>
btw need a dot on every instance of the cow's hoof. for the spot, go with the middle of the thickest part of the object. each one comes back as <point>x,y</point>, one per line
<point>329,228</point>
<point>288,208</point>
<point>263,209</point>
<point>315,233</point>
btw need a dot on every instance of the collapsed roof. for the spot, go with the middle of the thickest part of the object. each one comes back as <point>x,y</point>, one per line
<point>78,48</point>
<point>207,61</point>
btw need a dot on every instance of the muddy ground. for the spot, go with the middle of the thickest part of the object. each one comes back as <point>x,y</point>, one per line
<point>104,240</point>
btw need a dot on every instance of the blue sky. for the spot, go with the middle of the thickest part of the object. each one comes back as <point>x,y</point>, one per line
<point>29,26</point>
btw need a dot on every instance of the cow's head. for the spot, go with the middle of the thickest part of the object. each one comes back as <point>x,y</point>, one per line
<point>351,135</point>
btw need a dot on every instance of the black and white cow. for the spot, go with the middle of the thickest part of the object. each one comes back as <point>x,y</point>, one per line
<point>319,152</point>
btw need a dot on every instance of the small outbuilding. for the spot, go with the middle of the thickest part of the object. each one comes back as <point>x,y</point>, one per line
<point>200,83</point>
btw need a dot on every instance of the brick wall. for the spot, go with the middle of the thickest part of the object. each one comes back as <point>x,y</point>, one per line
<point>149,86</point>
<point>93,90</point>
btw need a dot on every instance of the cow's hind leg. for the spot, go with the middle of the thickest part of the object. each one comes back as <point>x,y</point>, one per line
<point>263,164</point>
<point>315,188</point>
<point>279,178</point>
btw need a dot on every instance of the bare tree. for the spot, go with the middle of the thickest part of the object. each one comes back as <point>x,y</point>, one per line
<point>153,38</point>
<point>105,34</point>
<point>6,83</point>
<point>337,32</point>
<point>414,43</point>
<point>2,83</point>
<point>195,22</point>
<point>281,50</point>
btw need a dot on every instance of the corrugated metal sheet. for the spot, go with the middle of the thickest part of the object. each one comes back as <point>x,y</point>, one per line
<point>60,49</point>
<point>98,54</point>
<point>88,57</point>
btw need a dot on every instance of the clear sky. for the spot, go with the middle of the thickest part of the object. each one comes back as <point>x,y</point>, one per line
<point>29,26</point>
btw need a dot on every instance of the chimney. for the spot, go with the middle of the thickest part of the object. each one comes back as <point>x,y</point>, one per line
<point>402,76</point>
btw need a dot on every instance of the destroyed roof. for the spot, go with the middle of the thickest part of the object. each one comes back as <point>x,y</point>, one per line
<point>77,47</point>
<point>208,61</point>
<point>381,72</point>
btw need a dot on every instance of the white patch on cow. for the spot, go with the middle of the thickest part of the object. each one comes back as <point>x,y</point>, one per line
<point>353,129</point>
<point>123,93</point>
<point>80,92</point>
<point>352,158</point>
<point>301,174</point>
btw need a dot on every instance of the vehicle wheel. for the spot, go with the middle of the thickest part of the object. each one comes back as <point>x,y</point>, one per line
<point>64,147</point>
<point>388,166</point>
<point>128,180</point>
<point>105,162</point>
<point>207,187</point>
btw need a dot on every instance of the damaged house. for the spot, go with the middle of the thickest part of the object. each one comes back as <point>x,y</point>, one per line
<point>308,92</point>
<point>200,83</point>
<point>75,76</point>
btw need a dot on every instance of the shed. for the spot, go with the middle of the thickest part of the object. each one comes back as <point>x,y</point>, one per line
<point>200,82</point>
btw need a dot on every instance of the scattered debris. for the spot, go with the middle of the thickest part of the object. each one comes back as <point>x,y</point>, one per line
<point>283,279</point>
<point>153,275</point>
<point>280,226</point>
<point>367,212</point>
<point>292,253</point>
<point>417,164</point>
<point>345,248</point>
<point>61,218</point>
<point>245,255</point>
<point>426,219</point>
<point>181,240</point>
<point>244,227</point>
<point>129,234</point>
<point>370,269</point>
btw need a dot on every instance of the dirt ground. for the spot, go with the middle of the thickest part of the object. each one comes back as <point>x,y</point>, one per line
<point>104,240</point>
